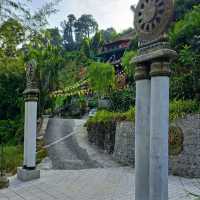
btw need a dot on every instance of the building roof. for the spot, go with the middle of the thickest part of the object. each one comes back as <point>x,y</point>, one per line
<point>125,37</point>
<point>113,51</point>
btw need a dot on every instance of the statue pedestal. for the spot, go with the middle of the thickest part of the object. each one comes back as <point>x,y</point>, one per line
<point>4,182</point>
<point>27,174</point>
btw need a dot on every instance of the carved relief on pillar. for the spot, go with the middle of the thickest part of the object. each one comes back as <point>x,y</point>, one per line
<point>31,80</point>
<point>31,92</point>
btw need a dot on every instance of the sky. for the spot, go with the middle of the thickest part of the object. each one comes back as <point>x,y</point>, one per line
<point>108,13</point>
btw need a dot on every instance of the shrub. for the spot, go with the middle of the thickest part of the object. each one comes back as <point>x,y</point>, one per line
<point>185,29</point>
<point>12,131</point>
<point>41,151</point>
<point>181,86</point>
<point>180,108</point>
<point>103,116</point>
<point>93,102</point>
<point>129,67</point>
<point>122,100</point>
<point>13,156</point>
<point>101,128</point>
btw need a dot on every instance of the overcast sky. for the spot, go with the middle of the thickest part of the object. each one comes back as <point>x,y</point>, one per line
<point>108,13</point>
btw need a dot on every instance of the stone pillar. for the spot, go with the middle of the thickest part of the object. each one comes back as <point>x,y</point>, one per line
<point>28,171</point>
<point>159,124</point>
<point>142,133</point>
<point>30,130</point>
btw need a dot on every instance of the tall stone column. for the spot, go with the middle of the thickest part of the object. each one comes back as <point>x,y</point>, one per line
<point>159,130</point>
<point>31,98</point>
<point>151,20</point>
<point>142,133</point>
<point>28,171</point>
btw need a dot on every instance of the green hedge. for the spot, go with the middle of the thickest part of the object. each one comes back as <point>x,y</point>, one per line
<point>103,116</point>
<point>102,127</point>
<point>178,109</point>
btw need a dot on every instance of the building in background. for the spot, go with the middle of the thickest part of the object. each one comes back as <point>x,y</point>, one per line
<point>112,52</point>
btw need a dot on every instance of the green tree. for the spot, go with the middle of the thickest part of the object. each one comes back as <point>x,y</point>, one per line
<point>85,26</point>
<point>101,78</point>
<point>68,32</point>
<point>12,81</point>
<point>96,43</point>
<point>12,9</point>
<point>20,12</point>
<point>184,6</point>
<point>128,65</point>
<point>74,62</point>
<point>109,34</point>
<point>12,34</point>
<point>50,61</point>
<point>85,47</point>
<point>54,35</point>
<point>185,38</point>
<point>186,30</point>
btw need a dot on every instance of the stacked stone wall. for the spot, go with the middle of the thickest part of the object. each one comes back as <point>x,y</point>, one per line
<point>184,159</point>
<point>124,151</point>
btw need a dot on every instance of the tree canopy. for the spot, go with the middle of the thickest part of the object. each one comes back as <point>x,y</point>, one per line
<point>76,30</point>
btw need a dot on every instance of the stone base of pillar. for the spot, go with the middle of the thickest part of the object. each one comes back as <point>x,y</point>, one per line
<point>27,175</point>
<point>4,182</point>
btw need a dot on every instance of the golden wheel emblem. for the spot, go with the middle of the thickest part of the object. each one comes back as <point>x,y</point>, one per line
<point>152,18</point>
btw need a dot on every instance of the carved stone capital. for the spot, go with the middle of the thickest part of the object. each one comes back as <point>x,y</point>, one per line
<point>142,72</point>
<point>31,95</point>
<point>160,68</point>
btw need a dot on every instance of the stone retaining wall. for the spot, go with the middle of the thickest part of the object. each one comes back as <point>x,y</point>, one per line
<point>185,162</point>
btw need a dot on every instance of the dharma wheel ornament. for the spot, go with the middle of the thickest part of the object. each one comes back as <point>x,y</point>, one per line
<point>152,18</point>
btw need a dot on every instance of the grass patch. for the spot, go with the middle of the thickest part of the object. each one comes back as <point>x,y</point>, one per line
<point>13,158</point>
<point>41,152</point>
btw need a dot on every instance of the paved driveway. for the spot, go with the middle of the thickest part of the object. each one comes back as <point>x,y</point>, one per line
<point>91,184</point>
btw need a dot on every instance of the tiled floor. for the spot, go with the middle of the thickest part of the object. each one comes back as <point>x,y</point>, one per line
<point>91,184</point>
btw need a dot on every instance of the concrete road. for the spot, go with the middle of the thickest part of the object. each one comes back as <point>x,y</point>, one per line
<point>63,149</point>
